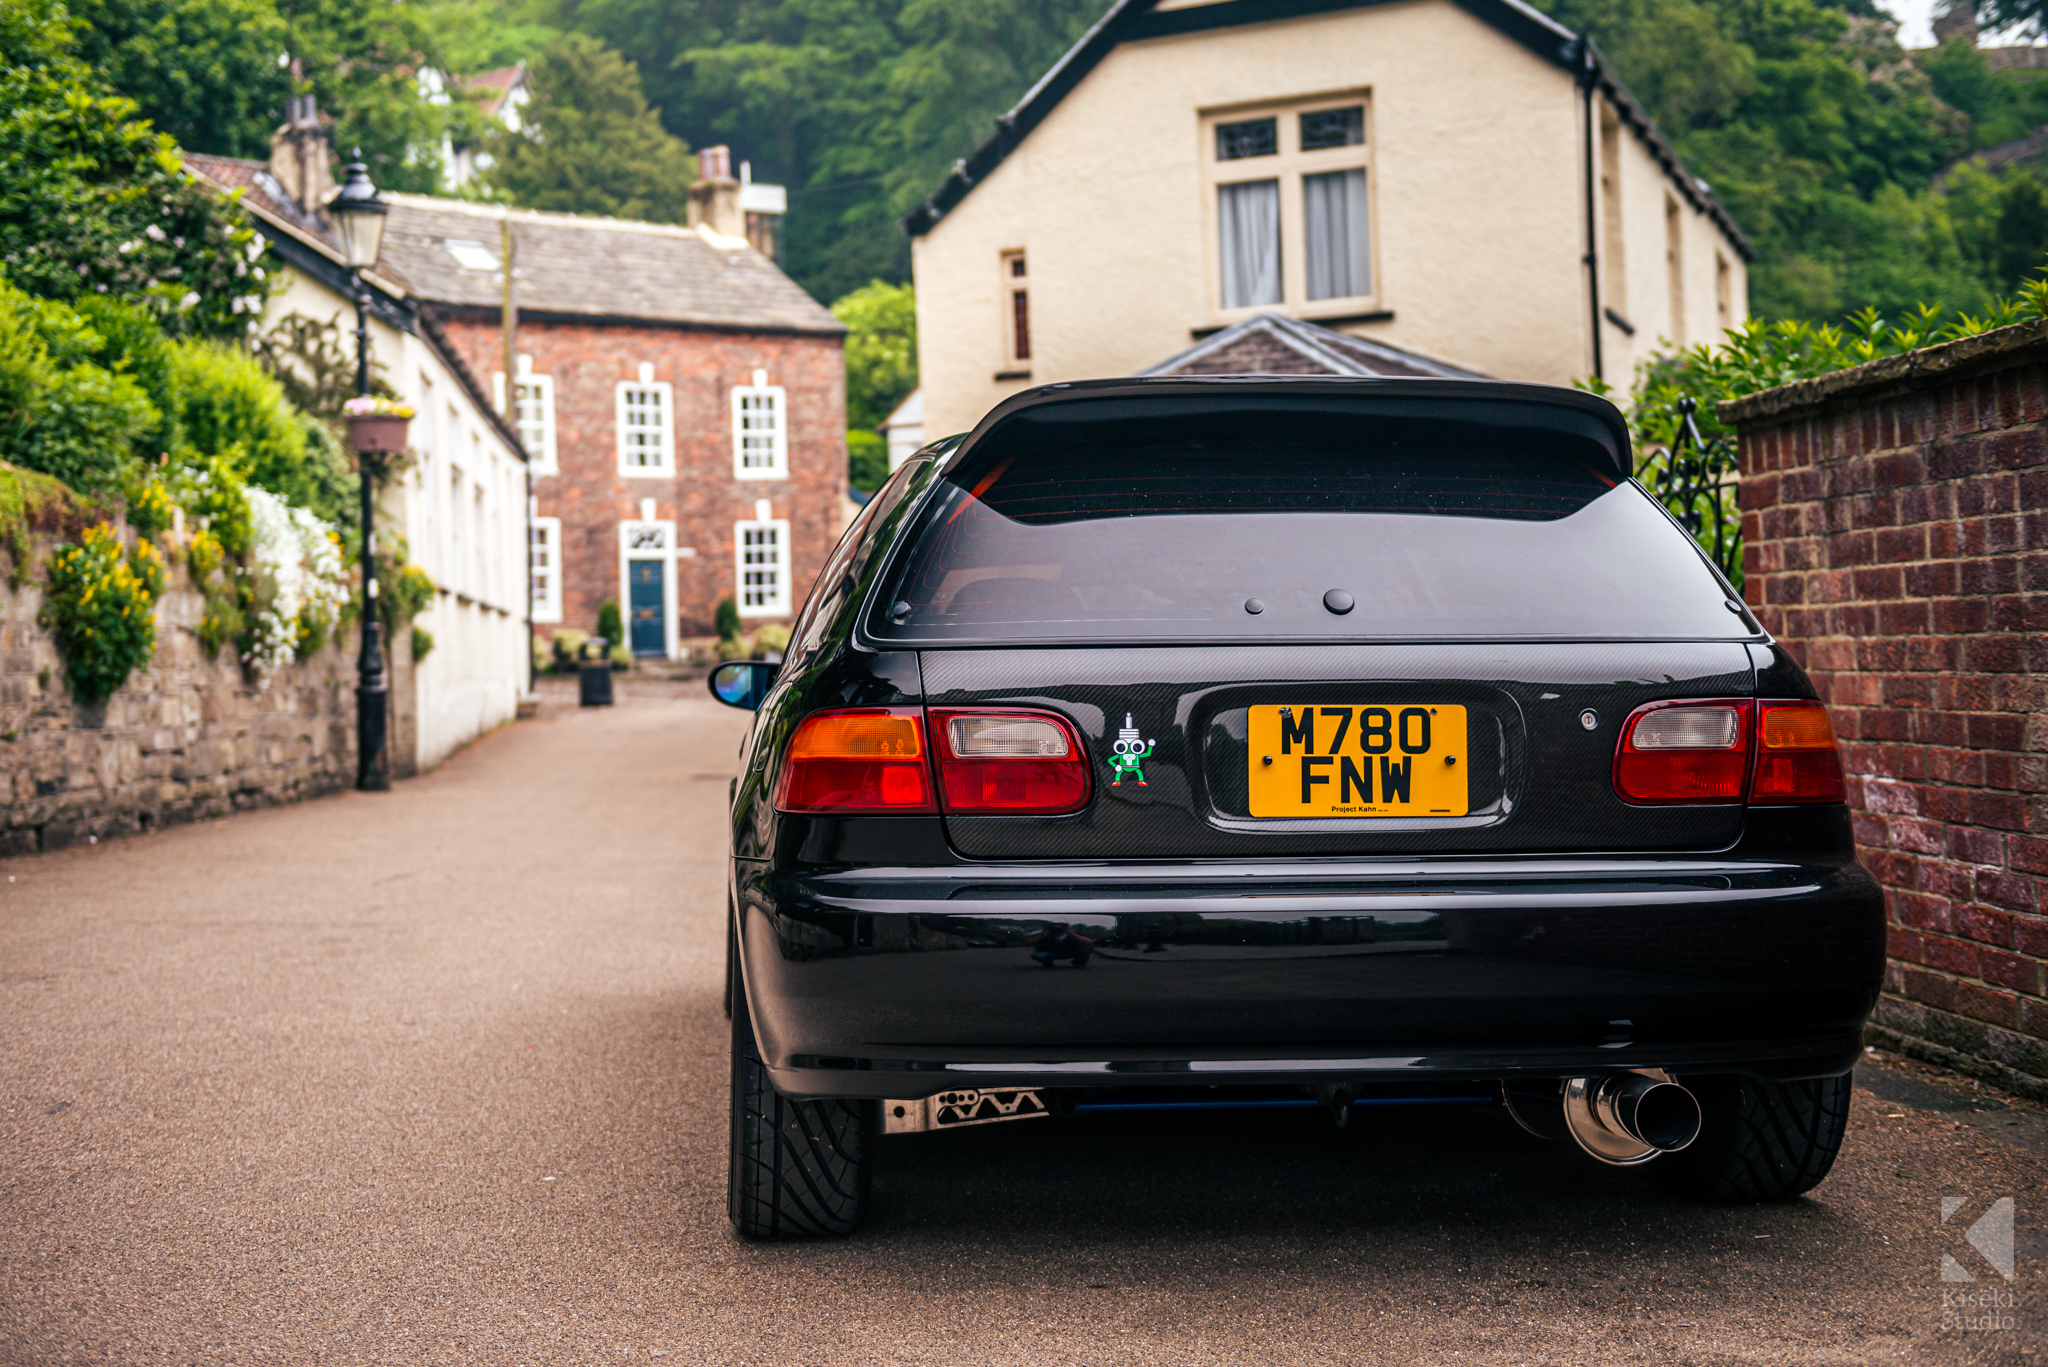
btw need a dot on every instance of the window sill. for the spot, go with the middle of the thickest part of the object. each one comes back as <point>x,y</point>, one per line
<point>643,472</point>
<point>1004,376</point>
<point>760,474</point>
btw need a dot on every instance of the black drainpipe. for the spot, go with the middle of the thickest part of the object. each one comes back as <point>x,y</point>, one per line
<point>1589,75</point>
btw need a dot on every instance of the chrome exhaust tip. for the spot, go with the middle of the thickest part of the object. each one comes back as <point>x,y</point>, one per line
<point>1630,1118</point>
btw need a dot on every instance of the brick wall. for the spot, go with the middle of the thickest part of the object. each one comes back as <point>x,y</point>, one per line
<point>1896,531</point>
<point>187,739</point>
<point>587,361</point>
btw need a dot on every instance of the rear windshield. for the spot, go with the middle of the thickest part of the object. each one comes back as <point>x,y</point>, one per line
<point>1507,521</point>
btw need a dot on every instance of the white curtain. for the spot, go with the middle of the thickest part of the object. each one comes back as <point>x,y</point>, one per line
<point>1248,218</point>
<point>1339,262</point>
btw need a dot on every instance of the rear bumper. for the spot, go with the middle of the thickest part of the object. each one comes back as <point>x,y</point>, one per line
<point>906,982</point>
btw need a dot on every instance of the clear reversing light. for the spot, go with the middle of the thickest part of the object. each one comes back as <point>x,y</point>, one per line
<point>1010,763</point>
<point>1005,737</point>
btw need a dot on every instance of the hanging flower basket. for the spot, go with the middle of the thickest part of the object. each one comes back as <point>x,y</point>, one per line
<point>377,432</point>
<point>376,424</point>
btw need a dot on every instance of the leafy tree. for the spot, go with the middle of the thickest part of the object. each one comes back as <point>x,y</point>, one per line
<point>92,201</point>
<point>61,412</point>
<point>881,369</point>
<point>362,59</point>
<point>859,106</point>
<point>881,350</point>
<point>589,143</point>
<point>204,71</point>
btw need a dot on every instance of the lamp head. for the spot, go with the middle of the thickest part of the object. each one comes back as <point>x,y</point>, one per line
<point>358,215</point>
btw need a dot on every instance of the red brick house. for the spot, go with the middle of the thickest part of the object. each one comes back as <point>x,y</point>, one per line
<point>683,401</point>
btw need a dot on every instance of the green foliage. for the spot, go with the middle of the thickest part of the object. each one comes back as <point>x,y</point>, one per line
<point>213,490</point>
<point>1824,140</point>
<point>1760,355</point>
<point>362,60</point>
<point>772,639</point>
<point>100,605</point>
<point>226,401</point>
<point>859,108</point>
<point>404,591</point>
<point>149,508</point>
<point>223,619</point>
<point>203,71</point>
<point>28,501</point>
<point>589,144</point>
<point>609,624</point>
<point>567,646</point>
<point>881,350</point>
<point>422,644</point>
<point>867,459</point>
<point>726,620</point>
<point>93,201</point>
<point>61,413</point>
<point>620,656</point>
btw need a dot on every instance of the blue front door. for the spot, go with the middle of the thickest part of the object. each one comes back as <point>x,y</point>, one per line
<point>648,606</point>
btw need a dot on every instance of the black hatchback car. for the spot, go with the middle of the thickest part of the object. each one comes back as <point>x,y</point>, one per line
<point>1287,742</point>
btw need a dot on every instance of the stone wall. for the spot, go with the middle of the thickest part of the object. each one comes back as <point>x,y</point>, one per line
<point>189,739</point>
<point>1896,540</point>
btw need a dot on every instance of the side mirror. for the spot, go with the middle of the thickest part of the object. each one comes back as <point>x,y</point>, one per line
<point>743,683</point>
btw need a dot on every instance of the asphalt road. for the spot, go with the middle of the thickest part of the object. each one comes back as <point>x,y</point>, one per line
<point>439,1076</point>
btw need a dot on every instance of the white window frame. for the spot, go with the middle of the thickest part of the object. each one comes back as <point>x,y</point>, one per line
<point>778,399</point>
<point>540,396</point>
<point>666,554</point>
<point>779,605</point>
<point>665,432</point>
<point>547,600</point>
<point>1289,164</point>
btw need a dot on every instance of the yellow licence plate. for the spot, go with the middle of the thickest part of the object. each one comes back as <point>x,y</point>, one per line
<point>1379,760</point>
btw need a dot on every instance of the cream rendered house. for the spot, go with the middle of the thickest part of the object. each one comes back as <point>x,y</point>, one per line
<point>462,504</point>
<point>1426,174</point>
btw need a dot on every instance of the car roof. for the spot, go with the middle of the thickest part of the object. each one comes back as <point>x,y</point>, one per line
<point>1278,393</point>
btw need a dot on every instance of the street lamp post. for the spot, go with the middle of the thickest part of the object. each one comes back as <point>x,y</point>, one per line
<point>358,215</point>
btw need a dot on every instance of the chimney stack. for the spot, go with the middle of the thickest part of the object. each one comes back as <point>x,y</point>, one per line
<point>300,160</point>
<point>1958,19</point>
<point>715,198</point>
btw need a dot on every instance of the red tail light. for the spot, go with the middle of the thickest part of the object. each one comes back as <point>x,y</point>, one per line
<point>1796,757</point>
<point>1718,750</point>
<point>859,760</point>
<point>1684,752</point>
<point>1011,763</point>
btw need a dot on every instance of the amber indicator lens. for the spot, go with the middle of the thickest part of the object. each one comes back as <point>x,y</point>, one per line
<point>985,737</point>
<point>1796,757</point>
<point>870,760</point>
<point>1010,763</point>
<point>1684,753</point>
<point>858,735</point>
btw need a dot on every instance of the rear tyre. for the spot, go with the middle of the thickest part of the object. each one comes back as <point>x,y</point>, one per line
<point>798,1169</point>
<point>1759,1141</point>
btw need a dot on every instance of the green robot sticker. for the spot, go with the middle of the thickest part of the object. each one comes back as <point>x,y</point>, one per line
<point>1128,761</point>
